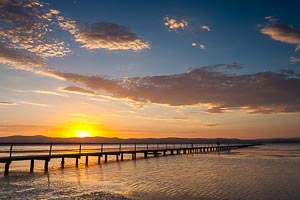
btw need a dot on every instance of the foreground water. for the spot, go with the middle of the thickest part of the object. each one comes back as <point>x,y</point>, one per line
<point>263,172</point>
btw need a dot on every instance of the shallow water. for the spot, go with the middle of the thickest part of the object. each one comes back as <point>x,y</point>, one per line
<point>263,172</point>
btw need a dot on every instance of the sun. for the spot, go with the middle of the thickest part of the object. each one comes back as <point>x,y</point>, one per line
<point>81,129</point>
<point>83,134</point>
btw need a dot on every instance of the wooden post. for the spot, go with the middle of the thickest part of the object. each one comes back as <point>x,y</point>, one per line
<point>10,151</point>
<point>87,160</point>
<point>120,147</point>
<point>105,158</point>
<point>62,162</point>
<point>121,156</point>
<point>146,155</point>
<point>6,172</point>
<point>135,147</point>
<point>46,166</point>
<point>80,149</point>
<point>76,162</point>
<point>50,151</point>
<point>31,165</point>
<point>99,160</point>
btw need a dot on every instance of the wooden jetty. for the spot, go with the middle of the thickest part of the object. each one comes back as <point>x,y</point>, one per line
<point>45,152</point>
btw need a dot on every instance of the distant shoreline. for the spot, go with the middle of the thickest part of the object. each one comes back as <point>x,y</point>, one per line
<point>44,139</point>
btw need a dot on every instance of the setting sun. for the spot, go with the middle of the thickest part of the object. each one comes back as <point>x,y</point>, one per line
<point>81,129</point>
<point>83,134</point>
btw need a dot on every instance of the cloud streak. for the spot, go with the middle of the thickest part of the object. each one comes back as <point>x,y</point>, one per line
<point>264,92</point>
<point>78,90</point>
<point>294,60</point>
<point>7,103</point>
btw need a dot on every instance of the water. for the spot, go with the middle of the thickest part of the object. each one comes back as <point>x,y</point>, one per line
<point>263,172</point>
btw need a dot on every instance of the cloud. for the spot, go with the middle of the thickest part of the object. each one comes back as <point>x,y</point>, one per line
<point>201,46</point>
<point>7,103</point>
<point>48,93</point>
<point>108,36</point>
<point>294,60</point>
<point>263,92</point>
<point>31,26</point>
<point>205,27</point>
<point>19,59</point>
<point>31,32</point>
<point>173,24</point>
<point>211,125</point>
<point>271,19</point>
<point>33,104</point>
<point>283,33</point>
<point>78,90</point>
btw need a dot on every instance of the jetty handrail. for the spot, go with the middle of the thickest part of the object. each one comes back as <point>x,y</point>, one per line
<point>104,147</point>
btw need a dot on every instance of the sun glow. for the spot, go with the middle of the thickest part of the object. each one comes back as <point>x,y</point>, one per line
<point>82,128</point>
<point>83,134</point>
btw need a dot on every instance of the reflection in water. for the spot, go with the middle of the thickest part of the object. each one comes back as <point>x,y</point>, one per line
<point>264,172</point>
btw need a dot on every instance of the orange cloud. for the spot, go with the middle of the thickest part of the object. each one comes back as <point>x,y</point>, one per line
<point>283,33</point>
<point>173,24</point>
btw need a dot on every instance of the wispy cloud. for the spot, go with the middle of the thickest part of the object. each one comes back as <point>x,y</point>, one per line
<point>78,90</point>
<point>48,93</point>
<point>264,92</point>
<point>294,60</point>
<point>174,24</point>
<point>7,103</point>
<point>33,103</point>
<point>205,27</point>
<point>271,19</point>
<point>283,33</point>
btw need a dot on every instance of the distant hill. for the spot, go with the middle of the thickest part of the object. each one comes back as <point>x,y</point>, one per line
<point>44,139</point>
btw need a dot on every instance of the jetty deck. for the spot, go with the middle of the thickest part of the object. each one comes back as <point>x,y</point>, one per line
<point>45,152</point>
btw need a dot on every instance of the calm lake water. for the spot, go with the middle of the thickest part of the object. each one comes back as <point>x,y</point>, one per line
<point>263,172</point>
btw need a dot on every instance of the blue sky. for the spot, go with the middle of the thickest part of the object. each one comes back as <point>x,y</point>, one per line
<point>234,37</point>
<point>154,68</point>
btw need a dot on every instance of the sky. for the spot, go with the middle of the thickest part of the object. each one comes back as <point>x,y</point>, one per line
<point>150,69</point>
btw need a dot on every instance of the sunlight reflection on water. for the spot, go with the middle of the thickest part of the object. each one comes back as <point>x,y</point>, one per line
<point>264,172</point>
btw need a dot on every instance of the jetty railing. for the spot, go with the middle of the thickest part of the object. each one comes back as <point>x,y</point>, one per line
<point>10,152</point>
